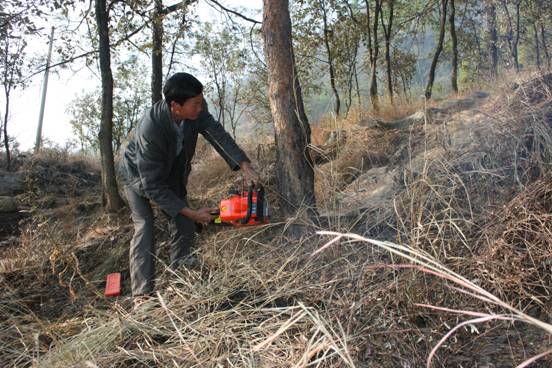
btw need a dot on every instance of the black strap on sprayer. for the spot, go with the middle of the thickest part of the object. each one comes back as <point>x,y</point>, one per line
<point>259,205</point>
<point>246,219</point>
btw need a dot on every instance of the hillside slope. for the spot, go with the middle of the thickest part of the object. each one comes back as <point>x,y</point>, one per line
<point>465,182</point>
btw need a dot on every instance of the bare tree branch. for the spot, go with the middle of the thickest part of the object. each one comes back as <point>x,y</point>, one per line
<point>85,54</point>
<point>165,11</point>
<point>234,12</point>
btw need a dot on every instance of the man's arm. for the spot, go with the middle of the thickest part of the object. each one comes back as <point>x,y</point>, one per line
<point>219,138</point>
<point>251,176</point>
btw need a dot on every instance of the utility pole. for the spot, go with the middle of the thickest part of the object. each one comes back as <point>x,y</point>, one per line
<point>43,98</point>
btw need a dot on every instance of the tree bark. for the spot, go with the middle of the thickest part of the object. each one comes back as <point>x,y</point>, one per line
<point>516,38</point>
<point>454,72</point>
<point>513,40</point>
<point>374,55</point>
<point>537,46</point>
<point>387,32</point>
<point>5,129</point>
<point>157,52</point>
<point>357,86</point>
<point>292,132</point>
<point>113,201</point>
<point>322,4</point>
<point>7,90</point>
<point>438,49</point>
<point>159,12</point>
<point>352,76</point>
<point>493,38</point>
<point>544,46</point>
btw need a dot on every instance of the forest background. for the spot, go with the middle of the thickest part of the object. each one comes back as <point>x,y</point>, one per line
<point>337,51</point>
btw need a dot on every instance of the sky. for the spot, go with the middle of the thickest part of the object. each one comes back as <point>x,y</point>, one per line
<point>64,86</point>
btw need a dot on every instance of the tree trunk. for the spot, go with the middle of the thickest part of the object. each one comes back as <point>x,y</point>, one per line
<point>537,46</point>
<point>493,38</point>
<point>157,45</point>
<point>352,76</point>
<point>454,72</point>
<point>513,40</point>
<point>292,132</point>
<point>5,129</point>
<point>387,32</point>
<point>516,38</point>
<point>7,90</point>
<point>374,58</point>
<point>438,49</point>
<point>544,47</point>
<point>322,4</point>
<point>405,89</point>
<point>157,53</point>
<point>113,201</point>
<point>357,86</point>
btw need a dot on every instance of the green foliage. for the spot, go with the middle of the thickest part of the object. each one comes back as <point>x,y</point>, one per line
<point>130,99</point>
<point>230,54</point>
<point>16,24</point>
<point>223,54</point>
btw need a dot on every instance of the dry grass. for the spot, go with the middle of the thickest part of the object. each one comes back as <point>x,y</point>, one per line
<point>516,248</point>
<point>470,219</point>
<point>361,115</point>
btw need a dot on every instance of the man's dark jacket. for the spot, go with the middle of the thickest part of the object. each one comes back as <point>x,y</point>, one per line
<point>150,165</point>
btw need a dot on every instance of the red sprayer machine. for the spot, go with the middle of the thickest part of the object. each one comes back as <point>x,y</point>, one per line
<point>244,209</point>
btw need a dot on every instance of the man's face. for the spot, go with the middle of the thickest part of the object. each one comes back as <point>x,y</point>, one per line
<point>190,109</point>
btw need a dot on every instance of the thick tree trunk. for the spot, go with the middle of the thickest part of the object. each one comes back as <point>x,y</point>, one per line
<point>157,53</point>
<point>113,201</point>
<point>438,49</point>
<point>493,38</point>
<point>292,132</point>
<point>454,72</point>
<point>330,56</point>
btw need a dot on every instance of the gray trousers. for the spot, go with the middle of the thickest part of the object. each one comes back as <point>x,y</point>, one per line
<point>142,245</point>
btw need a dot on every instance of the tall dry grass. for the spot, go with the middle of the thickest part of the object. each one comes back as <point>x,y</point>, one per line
<point>459,277</point>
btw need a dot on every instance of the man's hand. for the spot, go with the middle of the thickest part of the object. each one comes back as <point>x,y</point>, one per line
<point>202,216</point>
<point>251,176</point>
